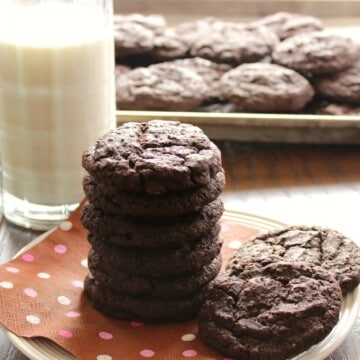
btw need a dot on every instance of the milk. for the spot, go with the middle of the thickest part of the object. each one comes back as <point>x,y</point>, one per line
<point>56,97</point>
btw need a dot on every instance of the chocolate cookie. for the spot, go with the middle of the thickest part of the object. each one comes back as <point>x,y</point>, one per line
<point>234,44</point>
<point>265,87</point>
<point>190,256</point>
<point>161,87</point>
<point>147,308</point>
<point>316,53</point>
<point>132,39</point>
<point>142,204</point>
<point>161,287</point>
<point>153,22</point>
<point>210,71</point>
<point>148,232</point>
<point>154,157</point>
<point>286,24</point>
<point>168,45</point>
<point>269,310</point>
<point>192,31</point>
<point>319,246</point>
<point>343,86</point>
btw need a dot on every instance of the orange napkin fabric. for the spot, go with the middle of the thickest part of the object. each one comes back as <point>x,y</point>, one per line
<point>41,294</point>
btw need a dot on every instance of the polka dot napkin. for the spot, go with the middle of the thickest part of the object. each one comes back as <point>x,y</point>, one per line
<point>41,294</point>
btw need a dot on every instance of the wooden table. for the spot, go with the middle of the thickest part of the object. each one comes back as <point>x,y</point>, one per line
<point>296,184</point>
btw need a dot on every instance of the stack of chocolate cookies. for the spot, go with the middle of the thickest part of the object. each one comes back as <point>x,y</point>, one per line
<point>152,218</point>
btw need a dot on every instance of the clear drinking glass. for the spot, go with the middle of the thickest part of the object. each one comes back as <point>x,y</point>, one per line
<point>57,95</point>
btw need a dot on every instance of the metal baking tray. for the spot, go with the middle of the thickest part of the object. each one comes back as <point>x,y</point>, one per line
<point>338,15</point>
<point>251,127</point>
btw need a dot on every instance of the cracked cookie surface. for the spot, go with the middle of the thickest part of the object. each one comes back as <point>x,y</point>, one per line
<point>315,245</point>
<point>265,87</point>
<point>269,309</point>
<point>163,86</point>
<point>153,157</point>
<point>316,53</point>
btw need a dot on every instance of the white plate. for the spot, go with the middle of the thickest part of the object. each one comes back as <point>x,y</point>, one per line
<point>44,349</point>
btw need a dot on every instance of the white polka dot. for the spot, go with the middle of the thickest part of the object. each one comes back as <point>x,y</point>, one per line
<point>103,357</point>
<point>63,300</point>
<point>6,284</point>
<point>33,319</point>
<point>84,263</point>
<point>188,337</point>
<point>78,283</point>
<point>235,244</point>
<point>43,275</point>
<point>66,226</point>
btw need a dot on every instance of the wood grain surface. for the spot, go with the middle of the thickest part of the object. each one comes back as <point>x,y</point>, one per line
<point>292,183</point>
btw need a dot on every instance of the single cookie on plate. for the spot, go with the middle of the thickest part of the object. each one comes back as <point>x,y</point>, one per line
<point>162,86</point>
<point>319,246</point>
<point>161,287</point>
<point>158,262</point>
<point>143,308</point>
<point>286,24</point>
<point>235,44</point>
<point>154,157</point>
<point>316,53</point>
<point>262,87</point>
<point>270,309</point>
<point>343,86</point>
<point>151,232</point>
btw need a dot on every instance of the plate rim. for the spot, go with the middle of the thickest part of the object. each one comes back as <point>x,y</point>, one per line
<point>34,347</point>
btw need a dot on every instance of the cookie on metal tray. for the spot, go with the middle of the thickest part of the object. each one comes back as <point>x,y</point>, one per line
<point>269,309</point>
<point>343,86</point>
<point>263,87</point>
<point>235,44</point>
<point>286,24</point>
<point>162,86</point>
<point>319,246</point>
<point>316,53</point>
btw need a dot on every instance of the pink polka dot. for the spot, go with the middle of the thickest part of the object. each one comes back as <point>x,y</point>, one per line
<point>27,257</point>
<point>12,269</point>
<point>147,353</point>
<point>72,314</point>
<point>60,249</point>
<point>105,335</point>
<point>30,292</point>
<point>225,227</point>
<point>66,334</point>
<point>189,353</point>
<point>78,283</point>
<point>136,323</point>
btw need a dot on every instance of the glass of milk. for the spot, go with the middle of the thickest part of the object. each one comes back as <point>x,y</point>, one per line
<point>57,95</point>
